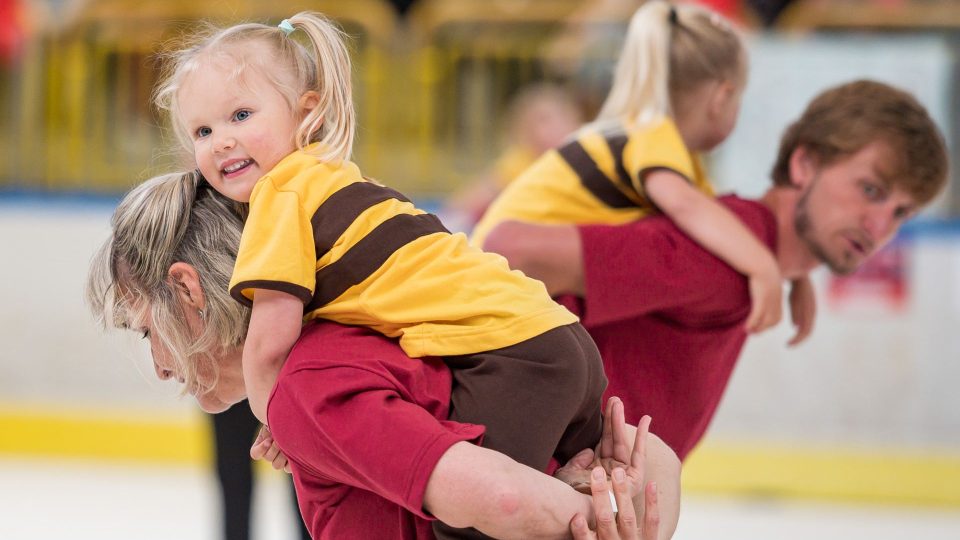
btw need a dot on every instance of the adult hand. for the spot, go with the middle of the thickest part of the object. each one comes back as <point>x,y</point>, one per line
<point>265,448</point>
<point>623,524</point>
<point>613,452</point>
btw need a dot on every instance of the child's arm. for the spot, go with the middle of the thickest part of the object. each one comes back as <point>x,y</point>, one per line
<point>274,327</point>
<point>803,308</point>
<point>720,232</point>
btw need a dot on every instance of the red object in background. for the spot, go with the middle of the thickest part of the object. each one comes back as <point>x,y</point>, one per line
<point>11,31</point>
<point>731,9</point>
<point>881,282</point>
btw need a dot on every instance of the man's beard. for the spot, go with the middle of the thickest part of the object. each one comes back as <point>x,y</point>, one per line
<point>804,228</point>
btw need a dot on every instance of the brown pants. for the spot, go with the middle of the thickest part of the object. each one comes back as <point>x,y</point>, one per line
<point>538,399</point>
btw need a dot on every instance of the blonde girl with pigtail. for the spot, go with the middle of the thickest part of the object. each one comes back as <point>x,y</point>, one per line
<point>675,95</point>
<point>270,122</point>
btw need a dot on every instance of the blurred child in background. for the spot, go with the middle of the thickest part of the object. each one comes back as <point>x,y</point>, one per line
<point>538,119</point>
<point>233,431</point>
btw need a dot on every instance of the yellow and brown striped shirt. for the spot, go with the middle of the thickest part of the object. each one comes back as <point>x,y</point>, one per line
<point>359,253</point>
<point>597,178</point>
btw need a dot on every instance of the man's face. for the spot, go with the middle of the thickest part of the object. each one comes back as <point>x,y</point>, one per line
<point>848,209</point>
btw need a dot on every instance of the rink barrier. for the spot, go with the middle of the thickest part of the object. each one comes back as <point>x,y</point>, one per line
<point>755,469</point>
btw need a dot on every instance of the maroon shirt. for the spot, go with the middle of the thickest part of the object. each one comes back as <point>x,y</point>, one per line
<point>667,317</point>
<point>363,426</point>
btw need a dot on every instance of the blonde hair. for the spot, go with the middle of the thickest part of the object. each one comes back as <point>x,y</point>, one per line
<point>171,218</point>
<point>842,120</point>
<point>291,67</point>
<point>670,50</point>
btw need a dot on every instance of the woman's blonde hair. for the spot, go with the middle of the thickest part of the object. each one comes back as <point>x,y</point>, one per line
<point>167,219</point>
<point>290,67</point>
<point>669,51</point>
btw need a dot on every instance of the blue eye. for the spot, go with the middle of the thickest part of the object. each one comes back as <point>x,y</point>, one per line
<point>902,212</point>
<point>871,191</point>
<point>203,132</point>
<point>241,115</point>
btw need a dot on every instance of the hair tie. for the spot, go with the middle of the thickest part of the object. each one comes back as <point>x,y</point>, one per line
<point>672,16</point>
<point>286,27</point>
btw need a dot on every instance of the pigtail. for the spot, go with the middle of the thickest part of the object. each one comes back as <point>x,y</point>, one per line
<point>333,122</point>
<point>640,91</point>
<point>670,51</point>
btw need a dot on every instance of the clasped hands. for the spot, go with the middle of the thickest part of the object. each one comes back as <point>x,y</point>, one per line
<point>615,462</point>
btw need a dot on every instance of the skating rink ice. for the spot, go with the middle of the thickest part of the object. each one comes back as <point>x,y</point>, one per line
<point>45,500</point>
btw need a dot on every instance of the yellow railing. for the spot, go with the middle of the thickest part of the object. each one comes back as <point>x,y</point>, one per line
<point>430,90</point>
<point>871,15</point>
<point>77,110</point>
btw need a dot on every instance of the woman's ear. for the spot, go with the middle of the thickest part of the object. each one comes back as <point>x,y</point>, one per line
<point>186,284</point>
<point>803,167</point>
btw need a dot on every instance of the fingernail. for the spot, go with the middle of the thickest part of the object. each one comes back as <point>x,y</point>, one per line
<point>598,473</point>
<point>618,474</point>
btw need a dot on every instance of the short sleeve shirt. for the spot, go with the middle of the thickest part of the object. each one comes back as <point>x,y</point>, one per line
<point>596,178</point>
<point>359,253</point>
<point>363,427</point>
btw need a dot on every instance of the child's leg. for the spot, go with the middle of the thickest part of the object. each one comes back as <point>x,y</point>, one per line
<point>538,398</point>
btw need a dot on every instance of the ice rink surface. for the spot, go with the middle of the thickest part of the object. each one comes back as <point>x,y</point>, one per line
<point>42,500</point>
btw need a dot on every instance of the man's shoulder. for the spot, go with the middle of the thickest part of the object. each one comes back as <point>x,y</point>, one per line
<point>755,215</point>
<point>740,205</point>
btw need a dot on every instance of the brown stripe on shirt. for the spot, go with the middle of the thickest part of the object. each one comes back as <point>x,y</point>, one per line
<point>592,177</point>
<point>369,254</point>
<point>295,290</point>
<point>617,144</point>
<point>335,215</point>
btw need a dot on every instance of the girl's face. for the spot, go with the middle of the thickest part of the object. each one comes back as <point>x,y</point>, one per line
<point>240,127</point>
<point>222,381</point>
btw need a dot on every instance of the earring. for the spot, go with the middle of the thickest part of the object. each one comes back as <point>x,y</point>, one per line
<point>203,316</point>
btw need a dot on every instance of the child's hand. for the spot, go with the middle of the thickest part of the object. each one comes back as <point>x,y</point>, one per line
<point>766,294</point>
<point>803,309</point>
<point>266,448</point>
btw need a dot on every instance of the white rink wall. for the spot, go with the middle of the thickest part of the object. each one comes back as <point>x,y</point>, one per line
<point>868,376</point>
<point>54,356</point>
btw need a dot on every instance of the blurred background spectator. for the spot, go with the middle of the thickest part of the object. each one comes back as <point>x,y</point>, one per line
<point>540,116</point>
<point>234,431</point>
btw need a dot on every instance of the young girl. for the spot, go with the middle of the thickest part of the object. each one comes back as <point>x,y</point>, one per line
<point>271,123</point>
<point>676,93</point>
